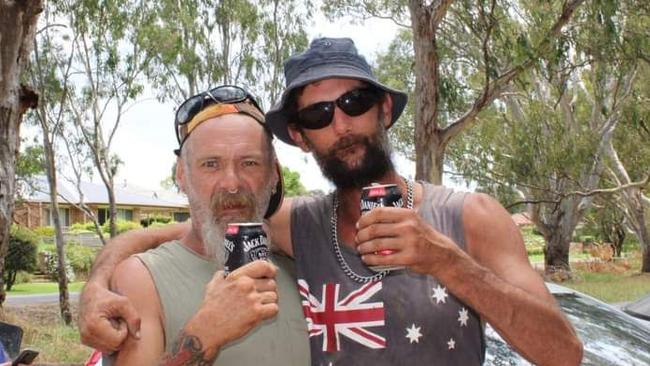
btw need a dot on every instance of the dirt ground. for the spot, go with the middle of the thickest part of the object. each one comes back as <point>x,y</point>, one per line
<point>44,314</point>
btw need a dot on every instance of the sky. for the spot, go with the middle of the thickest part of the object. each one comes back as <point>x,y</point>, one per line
<point>145,139</point>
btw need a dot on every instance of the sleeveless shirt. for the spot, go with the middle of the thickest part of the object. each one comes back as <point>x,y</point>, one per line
<point>403,319</point>
<point>180,276</point>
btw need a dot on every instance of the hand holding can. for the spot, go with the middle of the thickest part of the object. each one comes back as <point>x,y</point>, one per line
<point>381,195</point>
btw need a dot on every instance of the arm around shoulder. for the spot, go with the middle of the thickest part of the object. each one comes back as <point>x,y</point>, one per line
<point>279,226</point>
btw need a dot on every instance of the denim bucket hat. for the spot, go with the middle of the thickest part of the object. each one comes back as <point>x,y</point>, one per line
<point>326,58</point>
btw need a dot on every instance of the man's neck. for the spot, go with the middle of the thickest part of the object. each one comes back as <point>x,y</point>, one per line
<point>193,241</point>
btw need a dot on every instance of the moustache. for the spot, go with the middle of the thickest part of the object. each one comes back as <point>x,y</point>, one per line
<point>244,201</point>
<point>348,141</point>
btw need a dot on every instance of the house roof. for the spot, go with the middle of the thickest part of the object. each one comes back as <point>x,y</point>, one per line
<point>94,193</point>
<point>522,219</point>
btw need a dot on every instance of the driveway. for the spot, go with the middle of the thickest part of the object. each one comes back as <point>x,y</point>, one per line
<point>17,300</point>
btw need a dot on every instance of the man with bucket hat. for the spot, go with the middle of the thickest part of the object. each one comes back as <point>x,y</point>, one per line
<point>464,258</point>
<point>191,313</point>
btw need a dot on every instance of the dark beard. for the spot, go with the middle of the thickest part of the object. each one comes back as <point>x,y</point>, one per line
<point>375,164</point>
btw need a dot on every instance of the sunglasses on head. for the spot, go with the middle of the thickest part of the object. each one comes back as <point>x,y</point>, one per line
<point>354,103</point>
<point>226,94</point>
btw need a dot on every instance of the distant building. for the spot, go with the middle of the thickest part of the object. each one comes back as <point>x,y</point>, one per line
<point>133,204</point>
<point>522,219</point>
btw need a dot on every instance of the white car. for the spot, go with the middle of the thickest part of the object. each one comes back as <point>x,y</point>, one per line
<point>609,336</point>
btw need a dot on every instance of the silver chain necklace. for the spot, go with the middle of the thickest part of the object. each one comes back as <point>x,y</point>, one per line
<point>335,239</point>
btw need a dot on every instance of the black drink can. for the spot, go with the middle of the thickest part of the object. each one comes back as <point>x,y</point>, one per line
<point>244,243</point>
<point>381,195</point>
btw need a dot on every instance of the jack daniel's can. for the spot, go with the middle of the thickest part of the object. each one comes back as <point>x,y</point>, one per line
<point>381,195</point>
<point>244,243</point>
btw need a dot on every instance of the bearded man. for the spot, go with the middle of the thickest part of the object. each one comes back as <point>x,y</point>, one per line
<point>190,312</point>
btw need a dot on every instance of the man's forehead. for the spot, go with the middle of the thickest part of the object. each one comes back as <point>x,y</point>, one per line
<point>232,129</point>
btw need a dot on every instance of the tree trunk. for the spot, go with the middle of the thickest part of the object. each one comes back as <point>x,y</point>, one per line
<point>64,301</point>
<point>17,29</point>
<point>643,234</point>
<point>559,227</point>
<point>429,154</point>
<point>112,208</point>
<point>645,261</point>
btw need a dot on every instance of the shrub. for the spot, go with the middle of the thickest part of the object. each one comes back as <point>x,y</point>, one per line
<point>80,227</point>
<point>122,226</point>
<point>45,231</point>
<point>80,258</point>
<point>160,224</point>
<point>51,264</point>
<point>157,219</point>
<point>21,253</point>
<point>23,277</point>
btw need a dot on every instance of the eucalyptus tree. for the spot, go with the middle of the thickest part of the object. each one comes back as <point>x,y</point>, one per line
<point>108,69</point>
<point>49,72</point>
<point>629,162</point>
<point>197,44</point>
<point>17,28</point>
<point>550,137</point>
<point>464,55</point>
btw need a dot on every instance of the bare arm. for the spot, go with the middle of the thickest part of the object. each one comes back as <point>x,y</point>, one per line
<point>105,318</point>
<point>279,226</point>
<point>495,278</point>
<point>133,280</point>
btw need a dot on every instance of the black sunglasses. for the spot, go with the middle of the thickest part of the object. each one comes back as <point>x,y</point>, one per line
<point>225,94</point>
<point>354,103</point>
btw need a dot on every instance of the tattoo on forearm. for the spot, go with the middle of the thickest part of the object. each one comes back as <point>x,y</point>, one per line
<point>187,350</point>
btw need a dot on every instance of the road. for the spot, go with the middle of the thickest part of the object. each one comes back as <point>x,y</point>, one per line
<point>16,300</point>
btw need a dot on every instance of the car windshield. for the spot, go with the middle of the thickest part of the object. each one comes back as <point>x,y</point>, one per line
<point>609,337</point>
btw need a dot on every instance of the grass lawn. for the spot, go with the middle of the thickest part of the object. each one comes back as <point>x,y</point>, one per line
<point>42,288</point>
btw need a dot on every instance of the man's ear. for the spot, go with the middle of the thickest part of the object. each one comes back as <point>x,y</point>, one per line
<point>180,174</point>
<point>297,137</point>
<point>387,108</point>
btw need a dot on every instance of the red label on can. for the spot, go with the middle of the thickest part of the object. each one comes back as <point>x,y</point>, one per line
<point>232,229</point>
<point>377,192</point>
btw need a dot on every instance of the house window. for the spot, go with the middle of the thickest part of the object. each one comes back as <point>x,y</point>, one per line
<point>122,214</point>
<point>102,215</point>
<point>64,216</point>
<point>181,216</point>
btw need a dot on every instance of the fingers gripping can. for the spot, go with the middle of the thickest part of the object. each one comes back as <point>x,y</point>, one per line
<point>244,243</point>
<point>381,195</point>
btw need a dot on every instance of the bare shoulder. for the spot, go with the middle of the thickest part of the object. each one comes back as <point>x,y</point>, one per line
<point>490,232</point>
<point>133,280</point>
<point>494,241</point>
<point>280,227</point>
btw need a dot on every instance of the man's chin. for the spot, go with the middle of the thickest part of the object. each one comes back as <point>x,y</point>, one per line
<point>230,217</point>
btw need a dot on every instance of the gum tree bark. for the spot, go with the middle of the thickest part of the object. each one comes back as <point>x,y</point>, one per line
<point>17,29</point>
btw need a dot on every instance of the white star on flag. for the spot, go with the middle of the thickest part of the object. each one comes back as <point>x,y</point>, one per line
<point>440,294</point>
<point>463,317</point>
<point>451,344</point>
<point>413,334</point>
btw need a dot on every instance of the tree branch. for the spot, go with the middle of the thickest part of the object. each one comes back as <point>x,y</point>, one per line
<point>491,92</point>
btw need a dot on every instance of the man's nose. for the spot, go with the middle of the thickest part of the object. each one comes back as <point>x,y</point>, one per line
<point>231,180</point>
<point>341,122</point>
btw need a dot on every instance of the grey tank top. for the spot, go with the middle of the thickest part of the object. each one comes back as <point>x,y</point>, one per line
<point>403,319</point>
<point>180,276</point>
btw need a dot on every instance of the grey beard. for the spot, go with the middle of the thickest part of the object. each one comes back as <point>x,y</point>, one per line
<point>213,231</point>
<point>212,236</point>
